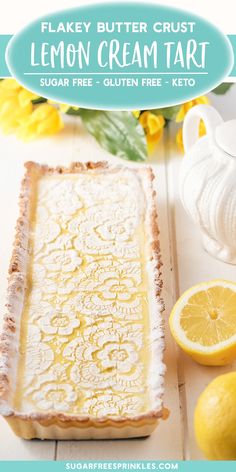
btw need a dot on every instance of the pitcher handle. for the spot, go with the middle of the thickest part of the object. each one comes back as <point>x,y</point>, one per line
<point>211,119</point>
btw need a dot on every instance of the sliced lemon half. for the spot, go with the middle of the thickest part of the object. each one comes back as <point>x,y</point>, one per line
<point>203,322</point>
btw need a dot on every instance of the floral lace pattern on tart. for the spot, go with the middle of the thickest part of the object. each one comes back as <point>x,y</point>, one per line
<point>85,325</point>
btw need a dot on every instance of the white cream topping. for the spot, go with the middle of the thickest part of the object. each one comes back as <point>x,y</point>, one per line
<point>88,343</point>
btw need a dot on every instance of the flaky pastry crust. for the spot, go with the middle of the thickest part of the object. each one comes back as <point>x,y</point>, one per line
<point>15,302</point>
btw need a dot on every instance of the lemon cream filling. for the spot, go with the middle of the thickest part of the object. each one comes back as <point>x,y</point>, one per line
<point>85,329</point>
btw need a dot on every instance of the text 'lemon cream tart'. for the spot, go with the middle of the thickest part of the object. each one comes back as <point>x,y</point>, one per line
<point>81,351</point>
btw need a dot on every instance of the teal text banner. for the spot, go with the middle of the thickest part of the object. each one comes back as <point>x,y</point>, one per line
<point>4,40</point>
<point>120,56</point>
<point>130,466</point>
<point>232,38</point>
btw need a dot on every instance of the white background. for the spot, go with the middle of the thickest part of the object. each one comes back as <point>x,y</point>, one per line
<point>17,13</point>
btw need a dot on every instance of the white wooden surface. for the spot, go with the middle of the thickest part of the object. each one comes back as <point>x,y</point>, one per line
<point>185,263</point>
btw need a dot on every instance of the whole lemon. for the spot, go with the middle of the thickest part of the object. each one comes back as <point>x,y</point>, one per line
<point>215,419</point>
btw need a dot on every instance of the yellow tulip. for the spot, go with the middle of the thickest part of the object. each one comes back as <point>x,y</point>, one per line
<point>136,113</point>
<point>179,140</point>
<point>10,85</point>
<point>25,97</point>
<point>15,104</point>
<point>63,107</point>
<point>11,88</point>
<point>188,105</point>
<point>179,135</point>
<point>11,113</point>
<point>153,126</point>
<point>8,90</point>
<point>44,121</point>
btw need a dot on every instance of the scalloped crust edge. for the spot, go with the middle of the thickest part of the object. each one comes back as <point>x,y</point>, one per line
<point>63,426</point>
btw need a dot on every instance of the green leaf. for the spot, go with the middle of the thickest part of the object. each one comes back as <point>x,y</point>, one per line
<point>169,113</point>
<point>222,88</point>
<point>72,111</point>
<point>39,100</point>
<point>119,132</point>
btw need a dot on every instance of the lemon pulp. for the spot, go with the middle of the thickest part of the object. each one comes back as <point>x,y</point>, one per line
<point>209,316</point>
<point>203,322</point>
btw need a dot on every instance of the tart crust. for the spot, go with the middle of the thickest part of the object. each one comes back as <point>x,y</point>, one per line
<point>61,425</point>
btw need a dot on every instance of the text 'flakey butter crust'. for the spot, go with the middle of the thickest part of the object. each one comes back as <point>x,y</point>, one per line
<point>37,424</point>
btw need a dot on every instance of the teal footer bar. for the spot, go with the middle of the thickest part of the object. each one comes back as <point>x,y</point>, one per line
<point>61,466</point>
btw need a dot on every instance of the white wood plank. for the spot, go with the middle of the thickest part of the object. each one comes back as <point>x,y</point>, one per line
<point>14,449</point>
<point>166,441</point>
<point>74,144</point>
<point>55,150</point>
<point>194,265</point>
<point>182,251</point>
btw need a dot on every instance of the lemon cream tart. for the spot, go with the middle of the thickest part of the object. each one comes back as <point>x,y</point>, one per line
<point>81,351</point>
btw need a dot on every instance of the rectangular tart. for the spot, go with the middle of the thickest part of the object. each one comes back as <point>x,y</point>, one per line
<point>81,354</point>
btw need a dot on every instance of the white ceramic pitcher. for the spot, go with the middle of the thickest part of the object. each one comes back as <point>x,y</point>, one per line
<point>208,180</point>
